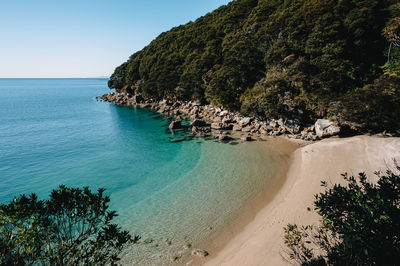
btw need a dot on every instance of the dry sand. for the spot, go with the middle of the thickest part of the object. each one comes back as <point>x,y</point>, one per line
<point>261,241</point>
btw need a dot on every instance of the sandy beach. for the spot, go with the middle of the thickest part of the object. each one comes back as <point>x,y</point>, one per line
<point>261,240</point>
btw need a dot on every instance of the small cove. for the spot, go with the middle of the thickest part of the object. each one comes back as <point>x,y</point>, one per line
<point>175,195</point>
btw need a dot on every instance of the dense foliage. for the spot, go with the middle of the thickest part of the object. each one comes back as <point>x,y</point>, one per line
<point>360,225</point>
<point>73,227</point>
<point>280,58</point>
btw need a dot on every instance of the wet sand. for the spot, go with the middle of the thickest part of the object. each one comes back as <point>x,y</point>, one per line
<point>260,241</point>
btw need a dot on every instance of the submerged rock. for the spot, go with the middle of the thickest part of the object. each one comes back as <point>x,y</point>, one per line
<point>177,140</point>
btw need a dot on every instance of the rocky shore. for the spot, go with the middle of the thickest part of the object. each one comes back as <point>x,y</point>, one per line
<point>216,122</point>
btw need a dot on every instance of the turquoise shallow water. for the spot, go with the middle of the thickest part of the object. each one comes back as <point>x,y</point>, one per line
<point>53,131</point>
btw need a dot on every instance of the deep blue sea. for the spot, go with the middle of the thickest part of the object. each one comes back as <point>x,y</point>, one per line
<point>53,131</point>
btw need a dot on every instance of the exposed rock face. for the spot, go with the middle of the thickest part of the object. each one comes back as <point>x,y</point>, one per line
<point>325,128</point>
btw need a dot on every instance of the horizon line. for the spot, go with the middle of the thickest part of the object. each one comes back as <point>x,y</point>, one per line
<point>54,77</point>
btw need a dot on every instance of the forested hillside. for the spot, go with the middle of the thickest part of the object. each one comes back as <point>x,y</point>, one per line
<point>303,59</point>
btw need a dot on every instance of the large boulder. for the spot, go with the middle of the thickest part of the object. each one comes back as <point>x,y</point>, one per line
<point>325,128</point>
<point>245,121</point>
<point>223,113</point>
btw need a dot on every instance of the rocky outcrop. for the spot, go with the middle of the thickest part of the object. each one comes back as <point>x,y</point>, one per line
<point>208,118</point>
<point>325,128</point>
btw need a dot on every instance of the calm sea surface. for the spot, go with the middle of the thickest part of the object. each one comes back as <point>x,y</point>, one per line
<point>53,131</point>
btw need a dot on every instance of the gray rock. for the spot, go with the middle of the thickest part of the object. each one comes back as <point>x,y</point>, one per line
<point>325,128</point>
<point>245,121</point>
<point>223,113</point>
<point>177,140</point>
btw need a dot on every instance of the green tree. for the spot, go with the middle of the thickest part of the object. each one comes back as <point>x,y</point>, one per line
<point>289,59</point>
<point>360,224</point>
<point>73,227</point>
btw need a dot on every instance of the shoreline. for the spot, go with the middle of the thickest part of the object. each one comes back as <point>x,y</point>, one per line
<point>220,239</point>
<point>242,184</point>
<point>261,240</point>
<point>256,236</point>
<point>208,119</point>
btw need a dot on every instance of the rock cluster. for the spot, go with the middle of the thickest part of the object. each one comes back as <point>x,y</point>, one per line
<point>207,118</point>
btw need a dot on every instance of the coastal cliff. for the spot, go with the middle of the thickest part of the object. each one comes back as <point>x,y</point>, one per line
<point>303,60</point>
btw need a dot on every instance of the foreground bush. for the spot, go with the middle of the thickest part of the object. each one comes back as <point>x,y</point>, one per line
<point>360,225</point>
<point>73,227</point>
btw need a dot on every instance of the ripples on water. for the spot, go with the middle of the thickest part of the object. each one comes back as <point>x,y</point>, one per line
<point>53,131</point>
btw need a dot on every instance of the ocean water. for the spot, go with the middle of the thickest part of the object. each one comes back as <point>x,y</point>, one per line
<point>175,195</point>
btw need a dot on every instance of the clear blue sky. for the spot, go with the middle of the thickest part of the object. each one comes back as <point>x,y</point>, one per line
<point>82,38</point>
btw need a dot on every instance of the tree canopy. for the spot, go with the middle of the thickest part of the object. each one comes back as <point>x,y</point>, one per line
<point>72,227</point>
<point>279,58</point>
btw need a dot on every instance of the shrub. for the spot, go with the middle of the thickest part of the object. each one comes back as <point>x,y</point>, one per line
<point>73,227</point>
<point>360,224</point>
